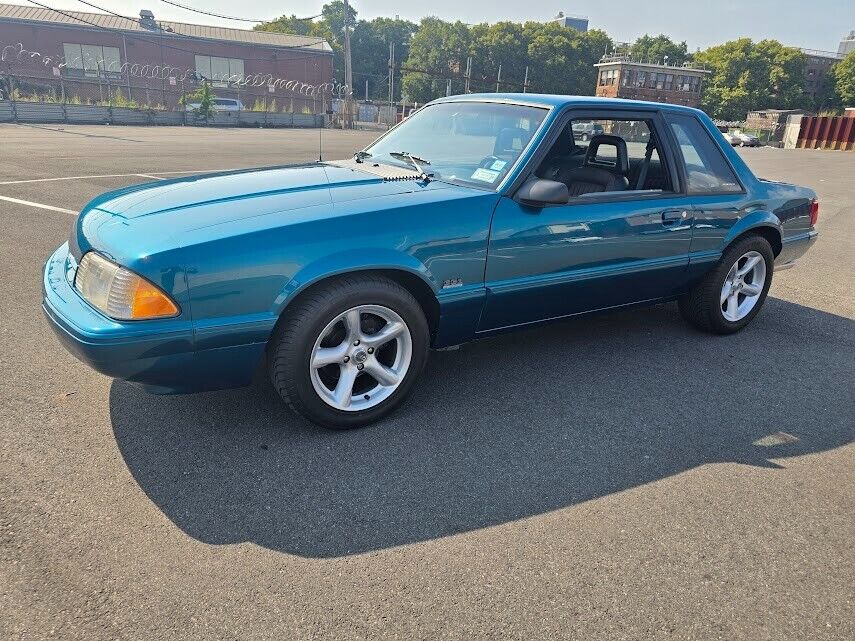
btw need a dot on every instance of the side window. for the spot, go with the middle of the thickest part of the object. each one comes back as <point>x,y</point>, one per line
<point>707,170</point>
<point>607,155</point>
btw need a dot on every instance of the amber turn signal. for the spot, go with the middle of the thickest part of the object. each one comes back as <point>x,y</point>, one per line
<point>120,293</point>
<point>149,302</point>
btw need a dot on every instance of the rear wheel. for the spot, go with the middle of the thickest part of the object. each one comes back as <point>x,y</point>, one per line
<point>349,352</point>
<point>731,295</point>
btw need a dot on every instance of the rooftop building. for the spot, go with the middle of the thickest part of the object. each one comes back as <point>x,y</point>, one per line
<point>847,44</point>
<point>579,23</point>
<point>622,77</point>
<point>817,65</point>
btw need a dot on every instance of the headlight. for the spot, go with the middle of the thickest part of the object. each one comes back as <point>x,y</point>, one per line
<point>120,293</point>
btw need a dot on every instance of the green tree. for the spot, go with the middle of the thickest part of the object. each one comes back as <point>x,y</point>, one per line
<point>561,60</point>
<point>287,24</point>
<point>502,43</point>
<point>844,80</point>
<point>369,44</point>
<point>746,76</point>
<point>204,97</point>
<point>656,48</point>
<point>330,27</point>
<point>438,50</point>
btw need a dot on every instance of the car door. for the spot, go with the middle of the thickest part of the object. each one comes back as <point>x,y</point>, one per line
<point>719,199</point>
<point>599,250</point>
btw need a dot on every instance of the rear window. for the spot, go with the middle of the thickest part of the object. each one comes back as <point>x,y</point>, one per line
<point>707,170</point>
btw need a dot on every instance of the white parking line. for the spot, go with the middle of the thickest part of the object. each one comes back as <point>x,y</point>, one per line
<point>155,175</point>
<point>39,205</point>
<point>152,177</point>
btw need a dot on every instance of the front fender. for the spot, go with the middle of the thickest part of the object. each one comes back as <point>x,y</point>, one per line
<point>349,261</point>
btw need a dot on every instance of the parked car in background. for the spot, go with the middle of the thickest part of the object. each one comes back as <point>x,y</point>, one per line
<point>221,104</point>
<point>731,138</point>
<point>746,140</point>
<point>337,277</point>
<point>584,131</point>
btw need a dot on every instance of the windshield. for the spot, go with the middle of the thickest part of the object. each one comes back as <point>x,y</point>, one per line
<point>474,143</point>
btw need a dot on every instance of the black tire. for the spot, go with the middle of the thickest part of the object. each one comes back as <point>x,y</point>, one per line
<point>291,346</point>
<point>702,306</point>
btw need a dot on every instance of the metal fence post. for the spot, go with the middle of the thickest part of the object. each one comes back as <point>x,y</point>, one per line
<point>64,100</point>
<point>109,99</point>
<point>12,98</point>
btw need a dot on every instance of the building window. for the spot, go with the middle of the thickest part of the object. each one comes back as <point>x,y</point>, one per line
<point>669,82</point>
<point>91,60</point>
<point>608,77</point>
<point>641,79</point>
<point>220,71</point>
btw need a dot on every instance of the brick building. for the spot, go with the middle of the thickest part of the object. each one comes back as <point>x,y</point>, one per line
<point>621,77</point>
<point>155,62</point>
<point>816,72</point>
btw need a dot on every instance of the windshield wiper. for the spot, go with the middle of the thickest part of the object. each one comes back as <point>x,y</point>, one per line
<point>359,156</point>
<point>415,161</point>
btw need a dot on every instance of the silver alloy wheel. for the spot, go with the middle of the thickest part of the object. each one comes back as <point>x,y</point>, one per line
<point>370,365</point>
<point>743,286</point>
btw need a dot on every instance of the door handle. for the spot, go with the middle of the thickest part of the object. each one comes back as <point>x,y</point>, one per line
<point>673,216</point>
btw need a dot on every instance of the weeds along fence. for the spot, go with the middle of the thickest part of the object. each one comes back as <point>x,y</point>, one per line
<point>124,99</point>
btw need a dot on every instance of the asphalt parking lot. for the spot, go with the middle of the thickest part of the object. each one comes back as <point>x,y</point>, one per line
<point>620,477</point>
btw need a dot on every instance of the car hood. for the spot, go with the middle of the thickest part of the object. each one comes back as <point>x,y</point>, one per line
<point>192,192</point>
<point>142,219</point>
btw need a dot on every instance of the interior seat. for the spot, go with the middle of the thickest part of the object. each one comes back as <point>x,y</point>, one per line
<point>562,157</point>
<point>655,175</point>
<point>598,174</point>
<point>510,141</point>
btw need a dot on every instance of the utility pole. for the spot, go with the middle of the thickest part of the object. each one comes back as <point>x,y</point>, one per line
<point>468,74</point>
<point>392,81</point>
<point>348,69</point>
<point>448,88</point>
<point>366,91</point>
<point>525,82</point>
<point>499,79</point>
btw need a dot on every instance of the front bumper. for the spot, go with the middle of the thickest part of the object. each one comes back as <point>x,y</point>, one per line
<point>158,354</point>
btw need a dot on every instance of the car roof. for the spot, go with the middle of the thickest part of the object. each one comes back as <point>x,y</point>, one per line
<point>550,101</point>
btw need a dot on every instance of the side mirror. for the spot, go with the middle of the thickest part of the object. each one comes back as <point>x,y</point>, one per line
<point>539,192</point>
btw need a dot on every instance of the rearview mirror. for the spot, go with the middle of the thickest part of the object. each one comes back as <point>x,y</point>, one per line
<point>539,192</point>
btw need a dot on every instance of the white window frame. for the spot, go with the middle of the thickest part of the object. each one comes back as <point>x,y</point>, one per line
<point>92,60</point>
<point>205,65</point>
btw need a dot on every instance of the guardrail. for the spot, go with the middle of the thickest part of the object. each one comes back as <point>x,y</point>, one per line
<point>44,112</point>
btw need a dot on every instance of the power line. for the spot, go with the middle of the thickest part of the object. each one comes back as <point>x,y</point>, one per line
<point>224,17</point>
<point>162,31</point>
<point>95,6</point>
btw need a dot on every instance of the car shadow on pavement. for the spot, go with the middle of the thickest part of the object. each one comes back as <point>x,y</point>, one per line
<point>500,430</point>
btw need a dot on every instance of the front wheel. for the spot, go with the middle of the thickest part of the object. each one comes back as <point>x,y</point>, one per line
<point>731,295</point>
<point>349,352</point>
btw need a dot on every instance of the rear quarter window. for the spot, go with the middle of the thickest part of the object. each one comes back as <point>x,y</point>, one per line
<point>707,170</point>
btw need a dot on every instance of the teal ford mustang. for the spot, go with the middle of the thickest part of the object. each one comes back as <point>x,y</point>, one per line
<point>478,214</point>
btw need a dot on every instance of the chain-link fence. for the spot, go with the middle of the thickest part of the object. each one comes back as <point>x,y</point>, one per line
<point>66,97</point>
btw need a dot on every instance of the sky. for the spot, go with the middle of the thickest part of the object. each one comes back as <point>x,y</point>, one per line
<point>812,24</point>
